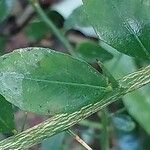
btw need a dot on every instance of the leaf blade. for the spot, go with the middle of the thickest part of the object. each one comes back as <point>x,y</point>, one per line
<point>49,82</point>
<point>6,116</point>
<point>122,24</point>
<point>90,52</point>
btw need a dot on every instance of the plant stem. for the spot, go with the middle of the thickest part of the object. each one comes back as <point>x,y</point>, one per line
<point>91,124</point>
<point>77,138</point>
<point>105,135</point>
<point>52,26</point>
<point>62,122</point>
<point>118,112</point>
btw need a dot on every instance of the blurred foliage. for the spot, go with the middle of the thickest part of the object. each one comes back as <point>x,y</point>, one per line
<point>54,142</point>
<point>6,116</point>
<point>113,24</point>
<point>5,8</point>
<point>3,41</point>
<point>37,29</point>
<point>126,136</point>
<point>91,52</point>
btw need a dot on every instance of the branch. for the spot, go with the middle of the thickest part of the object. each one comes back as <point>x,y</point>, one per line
<point>62,122</point>
<point>52,26</point>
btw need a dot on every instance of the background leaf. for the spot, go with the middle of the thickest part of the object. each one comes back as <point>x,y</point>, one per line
<point>49,82</point>
<point>37,28</point>
<point>126,136</point>
<point>3,41</point>
<point>90,52</point>
<point>76,18</point>
<point>125,25</point>
<point>5,8</point>
<point>138,105</point>
<point>6,116</point>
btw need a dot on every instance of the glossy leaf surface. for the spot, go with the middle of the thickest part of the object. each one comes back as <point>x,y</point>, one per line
<point>48,82</point>
<point>6,116</point>
<point>125,25</point>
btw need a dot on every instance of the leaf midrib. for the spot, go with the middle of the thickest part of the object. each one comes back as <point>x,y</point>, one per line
<point>129,28</point>
<point>62,82</point>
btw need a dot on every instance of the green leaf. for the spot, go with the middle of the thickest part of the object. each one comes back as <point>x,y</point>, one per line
<point>48,82</point>
<point>76,18</point>
<point>5,8</point>
<point>125,25</point>
<point>90,52</point>
<point>138,105</point>
<point>56,17</point>
<point>6,116</point>
<point>37,29</point>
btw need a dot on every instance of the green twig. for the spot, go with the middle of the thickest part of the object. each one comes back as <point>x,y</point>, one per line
<point>62,122</point>
<point>118,112</point>
<point>52,26</point>
<point>105,134</point>
<point>91,124</point>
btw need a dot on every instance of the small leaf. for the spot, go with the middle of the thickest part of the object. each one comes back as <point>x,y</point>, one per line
<point>90,52</point>
<point>48,82</point>
<point>56,17</point>
<point>76,18</point>
<point>139,101</point>
<point>6,116</point>
<point>125,25</point>
<point>37,28</point>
